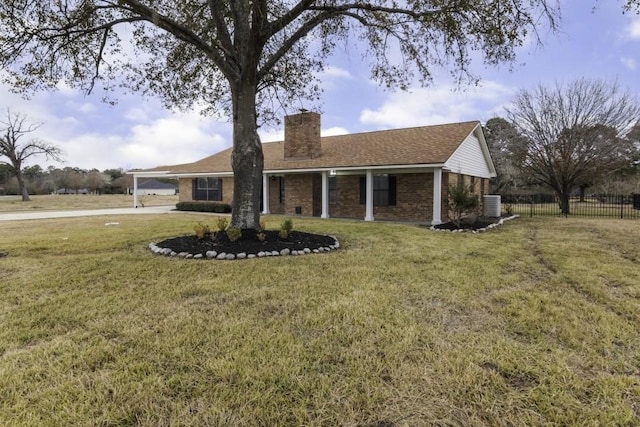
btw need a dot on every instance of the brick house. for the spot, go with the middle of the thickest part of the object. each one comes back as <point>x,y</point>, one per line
<point>400,174</point>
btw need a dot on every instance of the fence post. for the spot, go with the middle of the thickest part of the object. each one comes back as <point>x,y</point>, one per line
<point>622,206</point>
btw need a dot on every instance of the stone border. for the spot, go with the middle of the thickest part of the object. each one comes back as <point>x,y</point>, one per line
<point>242,255</point>
<point>479,230</point>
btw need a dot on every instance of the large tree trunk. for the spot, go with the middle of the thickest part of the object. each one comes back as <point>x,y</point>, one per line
<point>247,160</point>
<point>563,201</point>
<point>22,186</point>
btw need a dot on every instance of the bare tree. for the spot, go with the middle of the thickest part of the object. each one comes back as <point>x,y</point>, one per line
<point>251,58</point>
<point>16,150</point>
<point>575,134</point>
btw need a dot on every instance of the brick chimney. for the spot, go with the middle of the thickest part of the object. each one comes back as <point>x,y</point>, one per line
<point>302,136</point>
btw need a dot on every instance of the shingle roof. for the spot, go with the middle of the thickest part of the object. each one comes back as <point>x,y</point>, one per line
<point>410,146</point>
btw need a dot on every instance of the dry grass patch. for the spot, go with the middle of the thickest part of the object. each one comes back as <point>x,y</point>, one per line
<point>534,323</point>
<point>80,201</point>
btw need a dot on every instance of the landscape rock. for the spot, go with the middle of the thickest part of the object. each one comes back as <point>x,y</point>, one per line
<point>188,250</point>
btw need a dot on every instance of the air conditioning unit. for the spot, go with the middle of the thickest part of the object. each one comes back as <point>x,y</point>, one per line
<point>491,205</point>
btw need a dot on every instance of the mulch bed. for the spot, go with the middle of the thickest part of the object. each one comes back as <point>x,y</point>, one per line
<point>476,225</point>
<point>248,243</point>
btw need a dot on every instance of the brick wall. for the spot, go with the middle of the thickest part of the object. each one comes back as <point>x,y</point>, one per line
<point>480,187</point>
<point>185,186</point>
<point>414,198</point>
<point>299,192</point>
<point>347,203</point>
<point>302,136</point>
<point>275,207</point>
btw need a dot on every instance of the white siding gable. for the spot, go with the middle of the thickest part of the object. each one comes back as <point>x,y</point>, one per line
<point>469,159</point>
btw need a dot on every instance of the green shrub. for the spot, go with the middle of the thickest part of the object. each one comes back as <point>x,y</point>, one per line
<point>202,230</point>
<point>285,228</point>
<point>222,223</point>
<point>203,206</point>
<point>461,202</point>
<point>234,233</point>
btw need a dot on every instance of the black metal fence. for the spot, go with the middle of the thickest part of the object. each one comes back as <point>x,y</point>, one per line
<point>593,205</point>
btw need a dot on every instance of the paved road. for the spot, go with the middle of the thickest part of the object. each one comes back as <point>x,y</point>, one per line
<point>19,216</point>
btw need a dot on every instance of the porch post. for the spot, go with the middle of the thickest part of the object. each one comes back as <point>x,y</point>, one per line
<point>437,197</point>
<point>135,191</point>
<point>325,195</point>
<point>369,194</point>
<point>265,194</point>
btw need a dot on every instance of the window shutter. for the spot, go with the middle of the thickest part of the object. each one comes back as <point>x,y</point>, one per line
<point>363,190</point>
<point>194,184</point>
<point>392,190</point>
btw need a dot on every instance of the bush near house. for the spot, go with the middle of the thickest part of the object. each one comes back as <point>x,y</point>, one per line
<point>462,203</point>
<point>202,206</point>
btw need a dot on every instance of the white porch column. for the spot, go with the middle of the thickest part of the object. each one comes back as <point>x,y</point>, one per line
<point>135,191</point>
<point>325,195</point>
<point>265,194</point>
<point>369,193</point>
<point>437,197</point>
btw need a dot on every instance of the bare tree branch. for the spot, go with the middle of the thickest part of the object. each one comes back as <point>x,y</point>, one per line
<point>575,134</point>
<point>12,130</point>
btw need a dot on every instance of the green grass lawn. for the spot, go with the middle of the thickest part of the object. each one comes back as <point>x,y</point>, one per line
<point>533,323</point>
<point>80,201</point>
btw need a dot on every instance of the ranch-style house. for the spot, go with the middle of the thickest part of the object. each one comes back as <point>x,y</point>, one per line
<point>400,174</point>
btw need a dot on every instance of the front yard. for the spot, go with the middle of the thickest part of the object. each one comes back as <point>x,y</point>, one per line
<point>532,323</point>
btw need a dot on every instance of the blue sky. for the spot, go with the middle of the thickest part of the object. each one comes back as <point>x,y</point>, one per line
<point>596,40</point>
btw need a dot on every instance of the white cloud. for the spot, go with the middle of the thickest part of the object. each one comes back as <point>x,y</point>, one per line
<point>333,131</point>
<point>332,72</point>
<point>168,140</point>
<point>136,114</point>
<point>630,63</point>
<point>435,105</point>
<point>87,107</point>
<point>66,90</point>
<point>272,135</point>
<point>633,30</point>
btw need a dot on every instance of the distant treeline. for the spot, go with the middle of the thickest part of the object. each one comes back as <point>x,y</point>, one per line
<point>68,180</point>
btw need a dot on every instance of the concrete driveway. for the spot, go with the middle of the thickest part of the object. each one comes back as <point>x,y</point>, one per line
<point>20,216</point>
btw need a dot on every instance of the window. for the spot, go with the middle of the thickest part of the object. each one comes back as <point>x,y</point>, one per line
<point>473,184</point>
<point>384,190</point>
<point>207,189</point>
<point>333,192</point>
